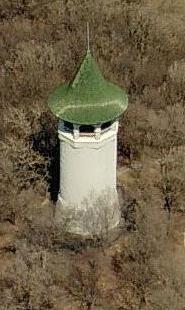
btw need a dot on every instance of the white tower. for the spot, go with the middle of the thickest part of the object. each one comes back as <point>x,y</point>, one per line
<point>88,109</point>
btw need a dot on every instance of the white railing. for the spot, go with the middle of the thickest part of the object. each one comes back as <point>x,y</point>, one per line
<point>87,134</point>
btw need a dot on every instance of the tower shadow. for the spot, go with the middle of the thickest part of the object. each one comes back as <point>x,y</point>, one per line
<point>47,144</point>
<point>54,172</point>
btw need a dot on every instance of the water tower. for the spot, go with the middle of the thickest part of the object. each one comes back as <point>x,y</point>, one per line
<point>88,109</point>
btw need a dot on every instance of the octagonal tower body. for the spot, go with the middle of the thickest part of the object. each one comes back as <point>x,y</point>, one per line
<point>88,109</point>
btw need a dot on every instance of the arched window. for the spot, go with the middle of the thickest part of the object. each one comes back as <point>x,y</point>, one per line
<point>86,128</point>
<point>105,125</point>
<point>68,126</point>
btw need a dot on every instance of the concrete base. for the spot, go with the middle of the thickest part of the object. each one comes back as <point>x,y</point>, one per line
<point>91,219</point>
<point>77,243</point>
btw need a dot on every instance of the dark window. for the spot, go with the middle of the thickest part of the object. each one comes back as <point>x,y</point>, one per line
<point>105,125</point>
<point>68,126</point>
<point>86,128</point>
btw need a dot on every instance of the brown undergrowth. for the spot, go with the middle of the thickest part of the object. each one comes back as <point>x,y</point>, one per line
<point>140,46</point>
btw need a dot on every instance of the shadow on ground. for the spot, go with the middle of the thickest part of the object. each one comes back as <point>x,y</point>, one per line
<point>46,142</point>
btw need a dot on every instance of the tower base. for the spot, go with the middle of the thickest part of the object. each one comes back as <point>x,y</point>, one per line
<point>92,218</point>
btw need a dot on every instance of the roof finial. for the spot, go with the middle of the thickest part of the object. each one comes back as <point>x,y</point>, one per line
<point>88,39</point>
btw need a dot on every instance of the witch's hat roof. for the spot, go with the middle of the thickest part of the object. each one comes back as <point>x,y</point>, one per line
<point>89,98</point>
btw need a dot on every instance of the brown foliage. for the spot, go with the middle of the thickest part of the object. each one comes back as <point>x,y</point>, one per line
<point>140,46</point>
<point>148,266</point>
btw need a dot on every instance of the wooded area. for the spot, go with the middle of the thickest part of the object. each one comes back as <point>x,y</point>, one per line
<point>138,44</point>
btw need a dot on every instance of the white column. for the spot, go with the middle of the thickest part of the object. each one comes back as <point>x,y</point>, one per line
<point>114,126</point>
<point>76,131</point>
<point>97,132</point>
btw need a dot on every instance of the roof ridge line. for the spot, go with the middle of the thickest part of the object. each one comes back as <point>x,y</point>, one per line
<point>76,78</point>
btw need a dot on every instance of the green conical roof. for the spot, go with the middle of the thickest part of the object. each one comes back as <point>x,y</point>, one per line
<point>89,98</point>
